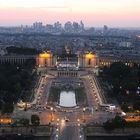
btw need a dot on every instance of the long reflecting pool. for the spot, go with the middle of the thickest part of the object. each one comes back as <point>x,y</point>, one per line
<point>67,99</point>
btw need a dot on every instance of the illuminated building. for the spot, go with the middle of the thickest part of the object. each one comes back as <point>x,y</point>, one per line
<point>86,60</point>
<point>107,60</point>
<point>45,59</point>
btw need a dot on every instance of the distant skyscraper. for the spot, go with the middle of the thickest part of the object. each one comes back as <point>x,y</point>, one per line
<point>68,26</point>
<point>49,28</point>
<point>105,29</point>
<point>37,26</point>
<point>76,27</point>
<point>82,25</point>
<point>57,26</point>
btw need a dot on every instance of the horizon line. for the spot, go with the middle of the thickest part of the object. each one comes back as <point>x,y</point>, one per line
<point>29,25</point>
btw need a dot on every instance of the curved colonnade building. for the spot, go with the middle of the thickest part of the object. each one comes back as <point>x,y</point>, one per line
<point>16,59</point>
<point>87,60</point>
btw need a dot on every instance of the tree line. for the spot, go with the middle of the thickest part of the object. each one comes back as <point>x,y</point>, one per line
<point>124,82</point>
<point>15,83</point>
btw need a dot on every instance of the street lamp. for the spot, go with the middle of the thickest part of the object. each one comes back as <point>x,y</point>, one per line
<point>52,114</point>
<point>51,108</point>
<point>84,109</point>
<point>56,135</point>
<point>78,122</point>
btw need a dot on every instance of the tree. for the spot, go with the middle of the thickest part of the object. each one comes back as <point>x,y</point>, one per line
<point>139,75</point>
<point>7,108</point>
<point>17,88</point>
<point>24,121</point>
<point>119,122</point>
<point>119,70</point>
<point>124,107</point>
<point>35,120</point>
<point>108,125</point>
<point>1,103</point>
<point>137,105</point>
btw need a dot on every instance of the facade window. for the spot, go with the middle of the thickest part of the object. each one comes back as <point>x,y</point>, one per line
<point>89,61</point>
<point>46,63</point>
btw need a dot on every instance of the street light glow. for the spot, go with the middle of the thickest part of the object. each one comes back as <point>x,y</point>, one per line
<point>78,124</point>
<point>84,109</point>
<point>62,121</point>
<point>89,55</point>
<point>45,55</point>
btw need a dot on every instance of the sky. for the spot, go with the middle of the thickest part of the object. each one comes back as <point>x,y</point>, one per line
<point>96,13</point>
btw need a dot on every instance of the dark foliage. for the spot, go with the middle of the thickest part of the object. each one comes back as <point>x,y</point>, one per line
<point>125,81</point>
<point>14,80</point>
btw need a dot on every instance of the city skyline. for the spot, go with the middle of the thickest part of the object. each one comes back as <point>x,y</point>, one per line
<point>121,13</point>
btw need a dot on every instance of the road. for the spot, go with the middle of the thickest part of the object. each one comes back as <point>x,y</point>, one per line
<point>68,122</point>
<point>69,127</point>
<point>69,133</point>
<point>92,92</point>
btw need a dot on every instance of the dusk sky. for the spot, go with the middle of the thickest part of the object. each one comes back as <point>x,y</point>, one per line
<point>115,13</point>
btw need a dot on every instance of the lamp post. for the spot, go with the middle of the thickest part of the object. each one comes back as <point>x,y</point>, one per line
<point>84,114</point>
<point>78,121</point>
<point>52,114</point>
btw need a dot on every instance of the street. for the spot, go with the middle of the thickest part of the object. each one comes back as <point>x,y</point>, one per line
<point>68,122</point>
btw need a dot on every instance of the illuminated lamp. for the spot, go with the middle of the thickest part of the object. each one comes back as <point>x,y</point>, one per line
<point>89,55</point>
<point>44,55</point>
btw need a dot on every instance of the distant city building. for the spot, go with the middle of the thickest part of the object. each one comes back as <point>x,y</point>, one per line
<point>68,26</point>
<point>125,44</point>
<point>91,31</point>
<point>49,28</point>
<point>82,25</point>
<point>37,26</point>
<point>58,26</point>
<point>71,28</point>
<point>105,29</point>
<point>76,27</point>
